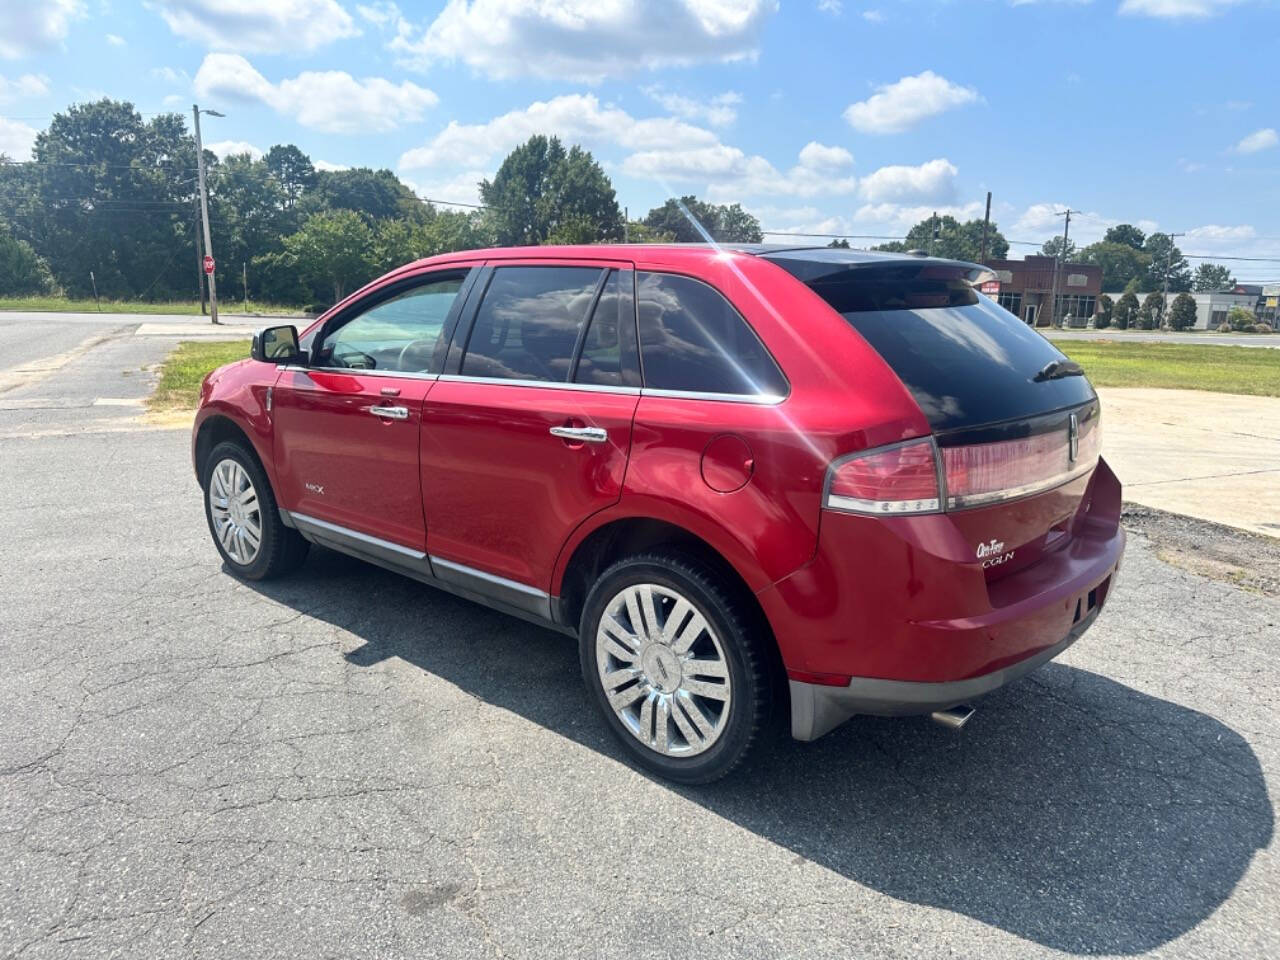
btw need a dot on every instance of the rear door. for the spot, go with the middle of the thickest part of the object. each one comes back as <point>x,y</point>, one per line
<point>528,431</point>
<point>346,426</point>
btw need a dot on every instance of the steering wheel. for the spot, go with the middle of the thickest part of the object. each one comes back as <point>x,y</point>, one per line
<point>409,346</point>
<point>362,360</point>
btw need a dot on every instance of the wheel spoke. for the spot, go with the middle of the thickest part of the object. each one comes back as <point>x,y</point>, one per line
<point>694,667</point>
<point>677,616</point>
<point>650,614</point>
<point>646,719</point>
<point>661,724</point>
<point>623,699</point>
<point>692,735</point>
<point>690,706</point>
<point>618,677</point>
<point>617,632</point>
<point>633,613</point>
<point>692,630</point>
<point>700,688</point>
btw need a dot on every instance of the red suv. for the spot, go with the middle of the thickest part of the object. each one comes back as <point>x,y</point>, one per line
<point>743,477</point>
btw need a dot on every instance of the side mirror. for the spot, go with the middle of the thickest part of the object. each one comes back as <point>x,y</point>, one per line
<point>276,345</point>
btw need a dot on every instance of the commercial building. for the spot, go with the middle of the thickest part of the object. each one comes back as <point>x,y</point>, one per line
<point>1211,308</point>
<point>1025,289</point>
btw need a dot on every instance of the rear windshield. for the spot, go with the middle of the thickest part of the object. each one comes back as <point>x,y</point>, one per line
<point>966,360</point>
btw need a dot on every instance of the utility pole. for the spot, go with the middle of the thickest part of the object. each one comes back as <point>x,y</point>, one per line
<point>199,263</point>
<point>626,225</point>
<point>1168,264</point>
<point>933,235</point>
<point>986,223</point>
<point>244,276</point>
<point>204,209</point>
<point>1057,261</point>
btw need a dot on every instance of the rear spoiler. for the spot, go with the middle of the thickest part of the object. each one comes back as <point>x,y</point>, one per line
<point>818,265</point>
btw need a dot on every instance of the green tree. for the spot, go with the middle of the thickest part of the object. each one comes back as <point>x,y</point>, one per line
<point>1166,259</point>
<point>292,170</point>
<point>1152,311</point>
<point>543,191</point>
<point>839,244</point>
<point>333,250</point>
<point>1054,247</point>
<point>686,218</point>
<point>374,194</point>
<point>1126,234</point>
<point>1102,319</point>
<point>22,272</point>
<point>1182,312</point>
<point>1125,313</point>
<point>1239,318</point>
<point>1212,276</point>
<point>640,232</point>
<point>956,240</point>
<point>1120,262</point>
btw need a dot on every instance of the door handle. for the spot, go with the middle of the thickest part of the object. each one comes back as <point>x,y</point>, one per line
<point>581,434</point>
<point>390,413</point>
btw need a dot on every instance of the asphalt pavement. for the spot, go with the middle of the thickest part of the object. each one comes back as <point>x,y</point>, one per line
<point>347,763</point>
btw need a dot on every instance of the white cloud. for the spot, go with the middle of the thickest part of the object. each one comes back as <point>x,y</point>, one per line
<point>833,7</point>
<point>464,188</point>
<point>579,118</point>
<point>726,173</point>
<point>1263,139</point>
<point>873,16</point>
<point>585,40</point>
<point>1218,239</point>
<point>1175,9</point>
<point>895,219</point>
<point>718,111</point>
<point>330,101</point>
<point>114,39</point>
<point>16,139</point>
<point>931,182</point>
<point>326,165</point>
<point>1040,221</point>
<point>258,26</point>
<point>170,75</point>
<point>32,26</point>
<point>382,13</point>
<point>225,148</point>
<point>27,85</point>
<point>899,106</point>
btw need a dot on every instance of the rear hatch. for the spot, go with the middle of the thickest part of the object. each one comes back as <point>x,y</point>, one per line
<point>1016,424</point>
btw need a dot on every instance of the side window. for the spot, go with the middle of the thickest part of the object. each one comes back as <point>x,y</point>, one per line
<point>608,349</point>
<point>399,334</point>
<point>528,323</point>
<point>692,339</point>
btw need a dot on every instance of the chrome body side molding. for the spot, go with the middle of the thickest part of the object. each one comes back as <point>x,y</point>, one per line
<point>508,596</point>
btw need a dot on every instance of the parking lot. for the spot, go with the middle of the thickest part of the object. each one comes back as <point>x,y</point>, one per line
<point>346,763</point>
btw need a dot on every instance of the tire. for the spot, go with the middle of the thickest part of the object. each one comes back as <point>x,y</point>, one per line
<point>656,678</point>
<point>278,550</point>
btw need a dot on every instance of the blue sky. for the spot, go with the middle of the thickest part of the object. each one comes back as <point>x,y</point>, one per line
<point>832,116</point>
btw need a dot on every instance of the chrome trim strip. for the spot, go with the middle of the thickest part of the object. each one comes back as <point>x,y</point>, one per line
<point>551,384</point>
<point>1017,493</point>
<point>760,399</point>
<point>296,368</point>
<point>493,578</point>
<point>355,536</point>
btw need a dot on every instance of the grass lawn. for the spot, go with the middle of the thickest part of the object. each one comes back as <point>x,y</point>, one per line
<point>1247,370</point>
<point>64,305</point>
<point>182,371</point>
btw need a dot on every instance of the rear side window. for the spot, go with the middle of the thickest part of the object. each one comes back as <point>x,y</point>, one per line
<point>693,340</point>
<point>528,323</point>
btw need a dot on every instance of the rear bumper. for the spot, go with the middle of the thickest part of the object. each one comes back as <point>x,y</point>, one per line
<point>817,709</point>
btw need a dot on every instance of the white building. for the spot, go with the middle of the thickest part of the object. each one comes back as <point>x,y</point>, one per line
<point>1211,308</point>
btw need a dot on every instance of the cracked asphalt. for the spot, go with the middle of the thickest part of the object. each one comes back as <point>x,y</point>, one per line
<point>348,764</point>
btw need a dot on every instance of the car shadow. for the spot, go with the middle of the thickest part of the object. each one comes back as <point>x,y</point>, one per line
<point>1073,811</point>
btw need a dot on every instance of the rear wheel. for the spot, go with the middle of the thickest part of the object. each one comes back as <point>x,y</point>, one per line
<point>240,508</point>
<point>676,664</point>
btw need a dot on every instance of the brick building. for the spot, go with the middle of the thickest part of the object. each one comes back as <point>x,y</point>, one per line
<point>1024,288</point>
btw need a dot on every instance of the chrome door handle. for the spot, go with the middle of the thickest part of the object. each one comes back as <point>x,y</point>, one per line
<point>390,413</point>
<point>581,434</point>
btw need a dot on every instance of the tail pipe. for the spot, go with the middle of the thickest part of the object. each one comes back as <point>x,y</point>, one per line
<point>953,717</point>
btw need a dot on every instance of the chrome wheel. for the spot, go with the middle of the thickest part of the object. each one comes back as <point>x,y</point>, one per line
<point>663,670</point>
<point>237,517</point>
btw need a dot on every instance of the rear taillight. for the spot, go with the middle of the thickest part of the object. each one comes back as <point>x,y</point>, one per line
<point>920,477</point>
<point>899,479</point>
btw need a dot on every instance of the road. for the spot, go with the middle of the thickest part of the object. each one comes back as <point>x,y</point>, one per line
<point>1155,336</point>
<point>346,763</point>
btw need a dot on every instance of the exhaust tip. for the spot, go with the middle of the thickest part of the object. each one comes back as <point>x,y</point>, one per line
<point>954,717</point>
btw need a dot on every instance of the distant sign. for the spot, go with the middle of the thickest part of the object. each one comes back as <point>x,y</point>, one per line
<point>990,286</point>
<point>1077,280</point>
<point>208,263</point>
<point>1271,290</point>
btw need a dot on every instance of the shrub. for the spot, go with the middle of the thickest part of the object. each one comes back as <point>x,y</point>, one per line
<point>1262,328</point>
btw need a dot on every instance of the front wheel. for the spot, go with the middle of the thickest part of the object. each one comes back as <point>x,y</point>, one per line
<point>677,665</point>
<point>240,508</point>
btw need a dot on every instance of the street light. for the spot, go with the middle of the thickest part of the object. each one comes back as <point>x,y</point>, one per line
<point>204,210</point>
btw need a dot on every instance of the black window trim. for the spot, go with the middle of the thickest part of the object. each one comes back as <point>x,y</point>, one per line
<point>759,399</point>
<point>389,292</point>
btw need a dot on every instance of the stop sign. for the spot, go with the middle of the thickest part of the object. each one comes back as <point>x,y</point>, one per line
<point>208,264</point>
